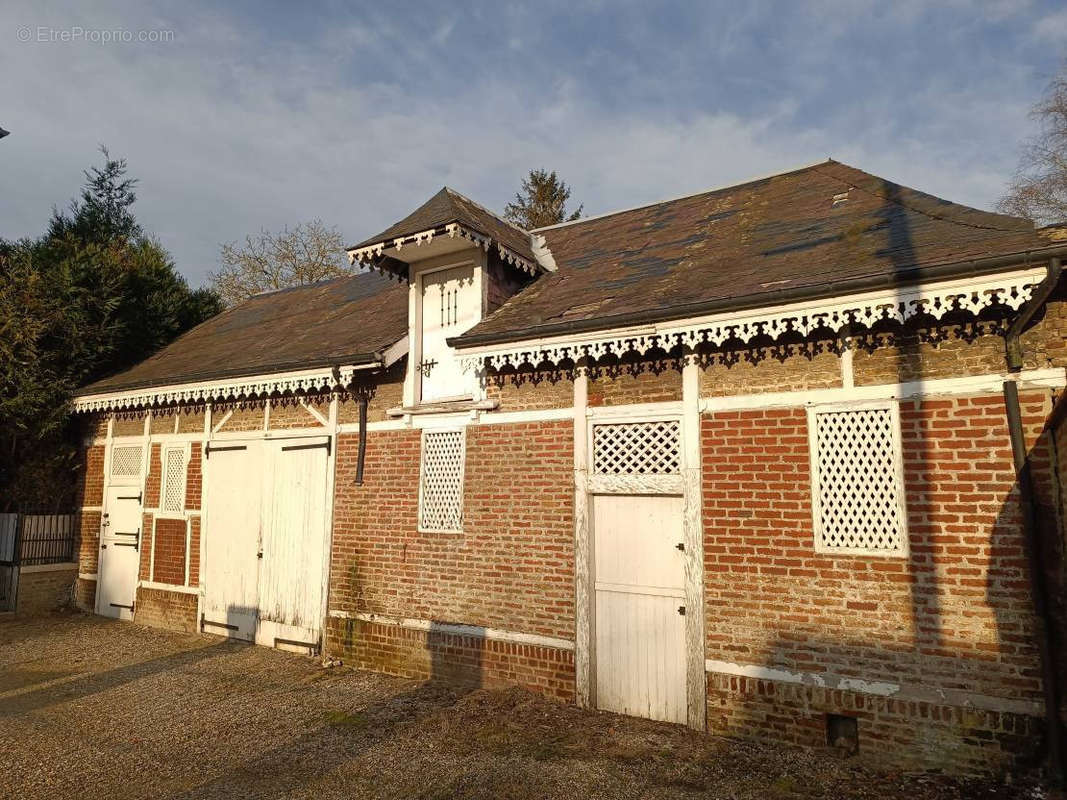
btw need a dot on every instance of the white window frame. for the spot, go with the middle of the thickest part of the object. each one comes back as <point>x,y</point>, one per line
<point>462,430</point>
<point>164,512</point>
<point>898,468</point>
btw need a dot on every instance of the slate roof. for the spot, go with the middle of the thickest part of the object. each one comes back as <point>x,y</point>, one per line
<point>814,228</point>
<point>342,321</point>
<point>449,206</point>
<point>784,232</point>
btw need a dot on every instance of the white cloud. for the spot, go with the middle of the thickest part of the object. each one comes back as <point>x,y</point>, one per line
<point>230,132</point>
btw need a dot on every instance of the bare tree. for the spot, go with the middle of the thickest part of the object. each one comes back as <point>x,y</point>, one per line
<point>542,201</point>
<point>307,253</point>
<point>1039,188</point>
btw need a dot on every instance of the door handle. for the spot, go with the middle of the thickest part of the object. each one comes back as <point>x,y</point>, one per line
<point>259,554</point>
<point>681,610</point>
<point>680,546</point>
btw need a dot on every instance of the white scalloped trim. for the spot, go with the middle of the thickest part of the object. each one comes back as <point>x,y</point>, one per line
<point>366,255</point>
<point>970,295</point>
<point>308,381</point>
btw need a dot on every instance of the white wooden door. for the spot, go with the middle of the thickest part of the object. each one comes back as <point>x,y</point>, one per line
<point>120,552</point>
<point>293,568</point>
<point>640,589</point>
<point>233,481</point>
<point>450,306</point>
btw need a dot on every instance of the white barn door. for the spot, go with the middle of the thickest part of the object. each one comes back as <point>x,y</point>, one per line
<point>265,515</point>
<point>293,567</point>
<point>636,511</point>
<point>231,532</point>
<point>120,552</point>
<point>640,587</point>
<point>450,306</point>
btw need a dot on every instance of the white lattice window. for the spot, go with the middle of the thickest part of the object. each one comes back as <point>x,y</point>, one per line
<point>637,448</point>
<point>126,461</point>
<point>172,493</point>
<point>441,481</point>
<point>858,479</point>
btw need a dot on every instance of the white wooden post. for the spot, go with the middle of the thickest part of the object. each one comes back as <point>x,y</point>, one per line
<point>693,536</point>
<point>585,689</point>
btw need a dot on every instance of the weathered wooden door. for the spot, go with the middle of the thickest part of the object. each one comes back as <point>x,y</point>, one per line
<point>120,551</point>
<point>640,605</point>
<point>450,306</point>
<point>233,481</point>
<point>291,581</point>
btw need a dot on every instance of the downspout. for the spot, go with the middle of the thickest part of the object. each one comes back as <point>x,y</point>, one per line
<point>1038,589</point>
<point>363,400</point>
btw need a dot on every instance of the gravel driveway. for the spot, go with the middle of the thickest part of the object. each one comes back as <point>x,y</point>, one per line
<point>96,709</point>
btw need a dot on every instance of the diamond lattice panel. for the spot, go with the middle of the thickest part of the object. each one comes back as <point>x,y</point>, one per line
<point>637,448</point>
<point>859,500</point>
<point>174,480</point>
<point>441,508</point>
<point>126,462</point>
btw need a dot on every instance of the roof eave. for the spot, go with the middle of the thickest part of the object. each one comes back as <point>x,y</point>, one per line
<point>917,274</point>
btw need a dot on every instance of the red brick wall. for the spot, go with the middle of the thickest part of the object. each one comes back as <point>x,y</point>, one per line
<point>89,541</point>
<point>155,476</point>
<point>511,568</point>
<point>955,613</point>
<point>169,563</point>
<point>144,571</point>
<point>91,489</point>
<point>194,479</point>
<point>194,551</point>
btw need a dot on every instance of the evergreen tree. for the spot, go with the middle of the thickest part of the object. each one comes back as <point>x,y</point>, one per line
<point>542,201</point>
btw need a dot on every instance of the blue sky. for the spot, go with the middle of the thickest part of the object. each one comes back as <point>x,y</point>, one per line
<point>267,114</point>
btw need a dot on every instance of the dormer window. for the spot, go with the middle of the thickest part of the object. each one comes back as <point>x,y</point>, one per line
<point>450,305</point>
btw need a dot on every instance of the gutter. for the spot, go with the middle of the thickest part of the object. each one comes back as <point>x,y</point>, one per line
<point>1039,589</point>
<point>918,274</point>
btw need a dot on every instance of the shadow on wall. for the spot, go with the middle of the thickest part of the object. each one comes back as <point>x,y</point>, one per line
<point>955,615</point>
<point>456,659</point>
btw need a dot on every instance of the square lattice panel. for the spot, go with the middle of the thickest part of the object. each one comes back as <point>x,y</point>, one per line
<point>858,493</point>
<point>441,497</point>
<point>637,448</point>
<point>126,462</point>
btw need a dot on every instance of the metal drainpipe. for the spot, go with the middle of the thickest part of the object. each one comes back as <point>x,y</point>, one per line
<point>363,400</point>
<point>1038,589</point>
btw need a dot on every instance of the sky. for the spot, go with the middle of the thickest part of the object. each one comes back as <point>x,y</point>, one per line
<point>261,115</point>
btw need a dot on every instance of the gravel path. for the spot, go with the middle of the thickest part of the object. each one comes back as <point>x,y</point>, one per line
<point>100,709</point>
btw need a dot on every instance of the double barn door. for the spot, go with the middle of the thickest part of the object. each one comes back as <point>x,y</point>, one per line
<point>265,540</point>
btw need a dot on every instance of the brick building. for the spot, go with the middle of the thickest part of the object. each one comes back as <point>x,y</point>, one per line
<point>767,460</point>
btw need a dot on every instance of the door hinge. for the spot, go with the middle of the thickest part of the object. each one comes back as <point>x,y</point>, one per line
<point>208,449</point>
<point>136,497</point>
<point>681,610</point>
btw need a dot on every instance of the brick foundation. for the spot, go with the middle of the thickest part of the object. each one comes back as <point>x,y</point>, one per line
<point>85,595</point>
<point>42,590</point>
<point>457,659</point>
<point>160,608</point>
<point>894,733</point>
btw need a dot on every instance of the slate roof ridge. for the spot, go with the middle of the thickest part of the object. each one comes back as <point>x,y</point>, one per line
<point>678,198</point>
<point>817,167</point>
<point>494,214</point>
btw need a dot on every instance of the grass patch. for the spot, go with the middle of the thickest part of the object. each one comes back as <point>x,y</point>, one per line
<point>343,719</point>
